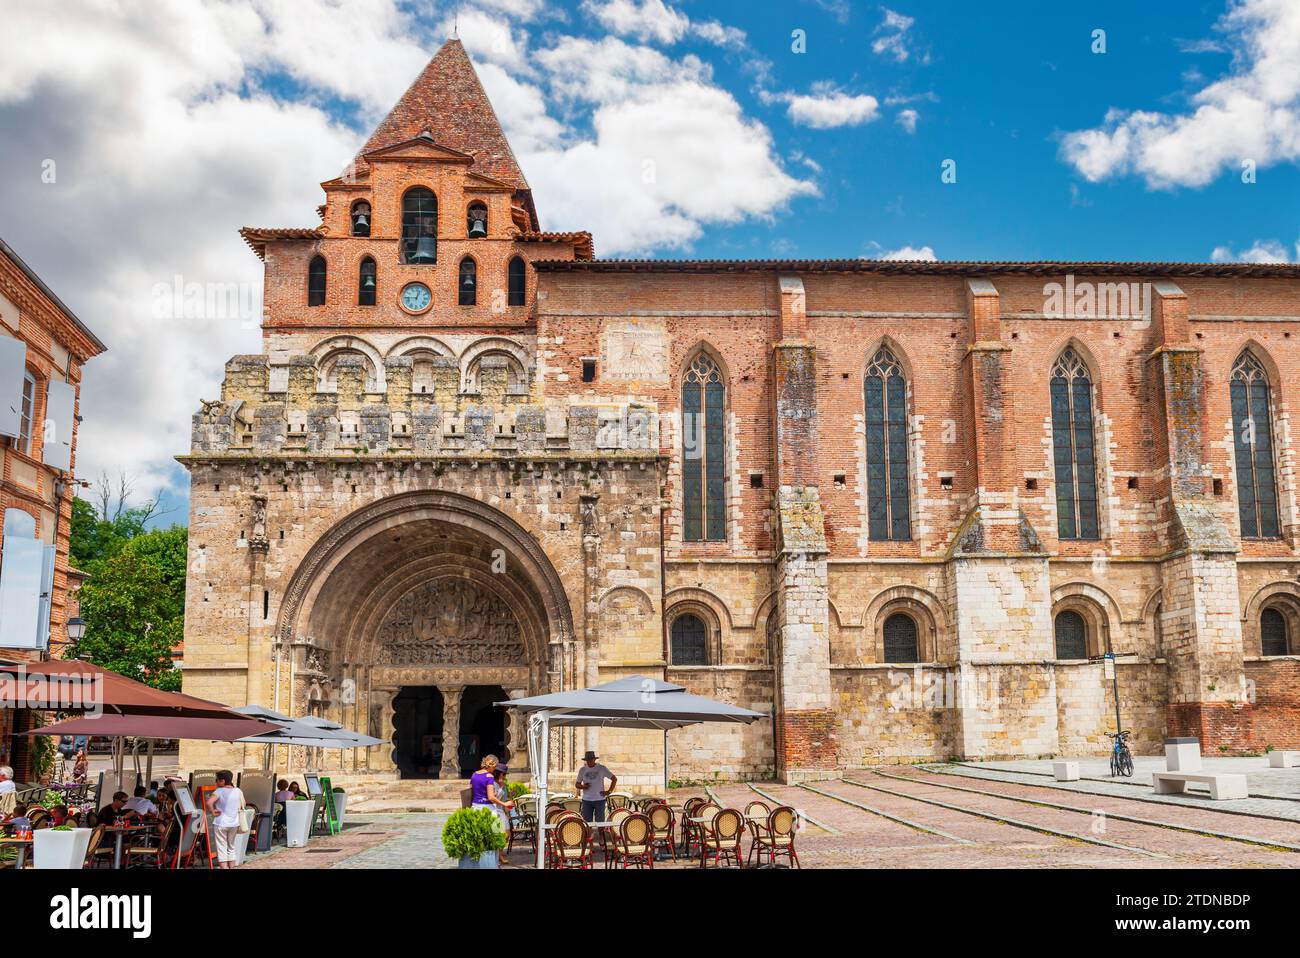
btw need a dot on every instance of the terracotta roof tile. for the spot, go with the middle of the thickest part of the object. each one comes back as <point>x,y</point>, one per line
<point>257,237</point>
<point>925,267</point>
<point>584,247</point>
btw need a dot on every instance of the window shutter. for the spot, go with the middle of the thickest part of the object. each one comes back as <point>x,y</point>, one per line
<point>61,399</point>
<point>22,571</point>
<point>13,365</point>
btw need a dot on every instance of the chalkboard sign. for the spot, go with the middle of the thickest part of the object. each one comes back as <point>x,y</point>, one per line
<point>331,813</point>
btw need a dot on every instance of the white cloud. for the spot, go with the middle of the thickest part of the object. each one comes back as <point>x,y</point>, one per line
<point>907,120</point>
<point>826,107</point>
<point>720,34</point>
<point>925,253</point>
<point>646,20</point>
<point>1262,251</point>
<point>1252,114</point>
<point>892,36</point>
<point>167,139</point>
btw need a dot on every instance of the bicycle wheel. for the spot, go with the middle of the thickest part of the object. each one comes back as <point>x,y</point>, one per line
<point>1126,763</point>
<point>1114,765</point>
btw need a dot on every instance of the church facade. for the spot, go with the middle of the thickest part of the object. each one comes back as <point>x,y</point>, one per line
<point>903,508</point>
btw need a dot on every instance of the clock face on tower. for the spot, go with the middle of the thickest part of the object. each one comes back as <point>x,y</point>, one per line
<point>416,297</point>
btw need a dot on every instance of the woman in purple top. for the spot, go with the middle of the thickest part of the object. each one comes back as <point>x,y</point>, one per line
<point>483,794</point>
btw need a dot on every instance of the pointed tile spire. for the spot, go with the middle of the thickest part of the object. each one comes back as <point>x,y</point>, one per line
<point>447,101</point>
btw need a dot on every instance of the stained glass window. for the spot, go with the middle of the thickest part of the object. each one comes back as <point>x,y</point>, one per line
<point>888,511</point>
<point>690,641</point>
<point>1072,449</point>
<point>900,639</point>
<point>1252,434</point>
<point>704,501</point>
<point>1071,636</point>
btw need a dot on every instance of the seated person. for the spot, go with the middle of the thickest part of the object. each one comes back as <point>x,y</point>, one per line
<point>140,804</point>
<point>116,812</point>
<point>282,795</point>
<point>59,816</point>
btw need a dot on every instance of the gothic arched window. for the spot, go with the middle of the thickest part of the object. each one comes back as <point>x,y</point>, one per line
<point>419,226</point>
<point>517,279</point>
<point>367,283</point>
<point>467,286</point>
<point>1273,638</point>
<point>1071,636</point>
<point>316,281</point>
<point>360,218</point>
<point>888,513</point>
<point>1072,448</point>
<point>704,501</point>
<point>900,639</point>
<point>1252,437</point>
<point>689,641</point>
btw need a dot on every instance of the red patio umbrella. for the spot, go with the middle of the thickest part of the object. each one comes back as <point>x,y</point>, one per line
<point>161,726</point>
<point>66,685</point>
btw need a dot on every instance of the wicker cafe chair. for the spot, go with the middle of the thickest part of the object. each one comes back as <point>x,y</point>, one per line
<point>92,847</point>
<point>688,812</point>
<point>148,856</point>
<point>523,822</point>
<point>756,808</point>
<point>553,815</point>
<point>618,800</point>
<point>38,817</point>
<point>572,843</point>
<point>632,842</point>
<point>776,837</point>
<point>705,809</point>
<point>573,805</point>
<point>661,828</point>
<point>720,839</point>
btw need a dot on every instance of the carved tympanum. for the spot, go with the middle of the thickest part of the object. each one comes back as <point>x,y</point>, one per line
<point>450,621</point>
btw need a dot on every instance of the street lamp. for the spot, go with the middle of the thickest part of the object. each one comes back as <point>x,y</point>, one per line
<point>76,628</point>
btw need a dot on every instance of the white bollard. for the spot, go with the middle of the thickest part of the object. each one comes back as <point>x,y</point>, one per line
<point>1065,771</point>
<point>1183,754</point>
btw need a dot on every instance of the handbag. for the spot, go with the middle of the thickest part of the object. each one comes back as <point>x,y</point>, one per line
<point>246,816</point>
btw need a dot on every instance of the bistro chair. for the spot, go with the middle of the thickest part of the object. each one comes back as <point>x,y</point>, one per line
<point>617,800</point>
<point>38,817</point>
<point>632,842</point>
<point>756,808</point>
<point>572,843</point>
<point>553,817</point>
<point>93,856</point>
<point>720,838</point>
<point>573,805</point>
<point>776,837</point>
<point>661,828</point>
<point>523,821</point>
<point>688,811</point>
<point>146,856</point>
<point>706,809</point>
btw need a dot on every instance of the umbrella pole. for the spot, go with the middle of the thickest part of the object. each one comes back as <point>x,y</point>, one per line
<point>148,765</point>
<point>665,765</point>
<point>543,791</point>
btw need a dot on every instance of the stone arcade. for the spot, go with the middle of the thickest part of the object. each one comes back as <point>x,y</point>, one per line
<point>903,507</point>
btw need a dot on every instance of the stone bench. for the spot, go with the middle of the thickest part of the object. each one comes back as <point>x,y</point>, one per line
<point>1284,759</point>
<point>1065,771</point>
<point>1223,785</point>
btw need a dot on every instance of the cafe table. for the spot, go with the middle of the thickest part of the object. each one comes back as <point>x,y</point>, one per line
<point>22,844</point>
<point>119,833</point>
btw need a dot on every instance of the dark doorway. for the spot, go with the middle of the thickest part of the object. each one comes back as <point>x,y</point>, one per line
<point>417,731</point>
<point>482,727</point>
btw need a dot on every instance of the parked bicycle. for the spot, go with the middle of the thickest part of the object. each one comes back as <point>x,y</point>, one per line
<point>1121,759</point>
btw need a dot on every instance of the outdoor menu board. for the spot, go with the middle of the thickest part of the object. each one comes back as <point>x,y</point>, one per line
<point>313,784</point>
<point>184,800</point>
<point>331,814</point>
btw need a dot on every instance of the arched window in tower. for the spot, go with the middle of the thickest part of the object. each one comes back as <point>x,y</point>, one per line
<point>316,281</point>
<point>901,643</point>
<point>467,285</point>
<point>888,511</point>
<point>360,218</point>
<point>1273,638</point>
<point>367,283</point>
<point>476,220</point>
<point>1072,448</point>
<point>517,280</point>
<point>704,501</point>
<point>1071,636</point>
<point>690,641</point>
<point>1252,437</point>
<point>419,227</point>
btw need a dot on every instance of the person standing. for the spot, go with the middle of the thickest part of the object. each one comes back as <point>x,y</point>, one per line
<point>484,794</point>
<point>80,766</point>
<point>8,791</point>
<point>225,805</point>
<point>591,783</point>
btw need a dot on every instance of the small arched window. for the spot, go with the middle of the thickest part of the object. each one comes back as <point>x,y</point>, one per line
<point>1273,638</point>
<point>25,414</point>
<point>316,282</point>
<point>690,641</point>
<point>1252,437</point>
<point>367,283</point>
<point>704,501</point>
<point>1072,448</point>
<point>419,227</point>
<point>901,643</point>
<point>467,285</point>
<point>360,218</point>
<point>1071,635</point>
<point>476,219</point>
<point>888,512</point>
<point>517,278</point>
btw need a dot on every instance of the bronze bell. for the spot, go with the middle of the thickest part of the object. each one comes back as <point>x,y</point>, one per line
<point>426,250</point>
<point>478,227</point>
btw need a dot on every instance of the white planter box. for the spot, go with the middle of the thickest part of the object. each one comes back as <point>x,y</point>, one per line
<point>51,849</point>
<point>340,805</point>
<point>297,823</point>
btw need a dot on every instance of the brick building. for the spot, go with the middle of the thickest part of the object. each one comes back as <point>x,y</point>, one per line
<point>43,346</point>
<point>904,507</point>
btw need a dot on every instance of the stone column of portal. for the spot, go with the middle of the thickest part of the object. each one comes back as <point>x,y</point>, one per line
<point>1201,623</point>
<point>517,736</point>
<point>806,722</point>
<point>450,730</point>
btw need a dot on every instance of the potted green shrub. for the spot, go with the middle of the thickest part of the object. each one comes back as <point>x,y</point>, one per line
<point>60,847</point>
<point>340,803</point>
<point>474,837</point>
<point>297,821</point>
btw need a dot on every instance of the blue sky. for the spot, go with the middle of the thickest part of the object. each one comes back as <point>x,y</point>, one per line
<point>670,128</point>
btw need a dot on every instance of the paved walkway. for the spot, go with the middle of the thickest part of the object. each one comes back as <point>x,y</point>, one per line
<point>416,843</point>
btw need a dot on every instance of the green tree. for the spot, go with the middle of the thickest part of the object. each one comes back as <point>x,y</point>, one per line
<point>134,606</point>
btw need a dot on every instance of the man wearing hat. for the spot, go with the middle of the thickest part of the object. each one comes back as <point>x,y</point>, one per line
<point>591,783</point>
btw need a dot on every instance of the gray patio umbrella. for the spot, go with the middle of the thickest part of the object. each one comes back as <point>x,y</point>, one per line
<point>634,702</point>
<point>311,732</point>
